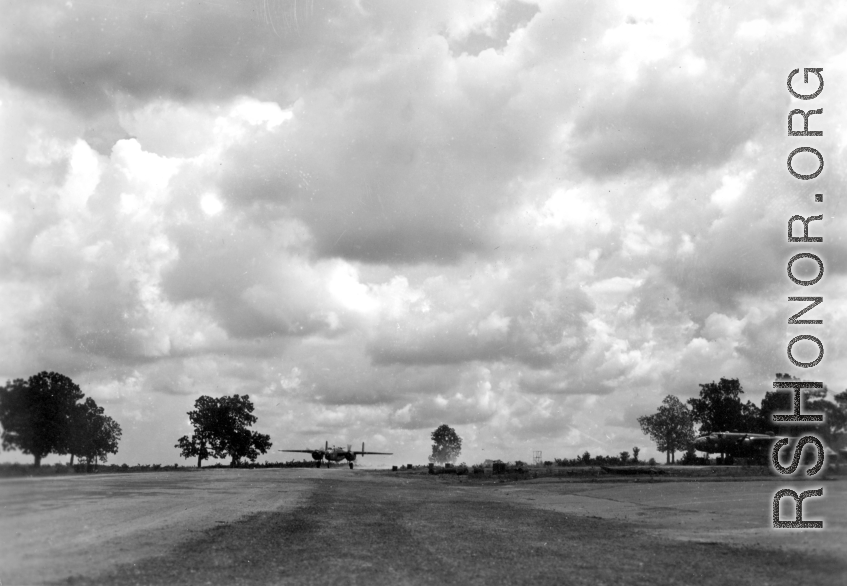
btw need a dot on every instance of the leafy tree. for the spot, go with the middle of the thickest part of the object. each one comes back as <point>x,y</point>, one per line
<point>719,408</point>
<point>585,458</point>
<point>196,445</point>
<point>37,414</point>
<point>671,427</point>
<point>244,443</point>
<point>814,401</point>
<point>624,456</point>
<point>237,441</point>
<point>836,417</point>
<point>446,444</point>
<point>93,434</point>
<point>203,443</point>
<point>221,430</point>
<point>635,451</point>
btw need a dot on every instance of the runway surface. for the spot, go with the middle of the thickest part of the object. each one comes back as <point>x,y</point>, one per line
<point>57,526</point>
<point>306,526</point>
<point>736,512</point>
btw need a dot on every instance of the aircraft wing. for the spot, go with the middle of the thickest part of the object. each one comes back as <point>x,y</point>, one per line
<point>741,437</point>
<point>301,451</point>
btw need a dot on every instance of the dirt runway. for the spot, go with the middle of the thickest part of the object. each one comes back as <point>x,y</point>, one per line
<point>358,527</point>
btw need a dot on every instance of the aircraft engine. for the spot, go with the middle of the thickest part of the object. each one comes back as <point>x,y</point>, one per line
<point>316,455</point>
<point>351,457</point>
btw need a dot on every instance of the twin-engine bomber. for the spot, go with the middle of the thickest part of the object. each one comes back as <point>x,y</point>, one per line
<point>731,443</point>
<point>335,454</point>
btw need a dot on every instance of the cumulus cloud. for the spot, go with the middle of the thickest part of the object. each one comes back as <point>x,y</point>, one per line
<point>528,220</point>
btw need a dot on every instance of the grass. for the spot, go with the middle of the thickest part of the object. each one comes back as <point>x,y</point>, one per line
<point>420,532</point>
<point>17,470</point>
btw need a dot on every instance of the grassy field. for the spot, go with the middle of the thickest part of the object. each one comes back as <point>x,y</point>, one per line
<point>383,528</point>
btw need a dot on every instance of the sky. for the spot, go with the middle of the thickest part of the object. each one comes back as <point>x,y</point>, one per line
<point>530,221</point>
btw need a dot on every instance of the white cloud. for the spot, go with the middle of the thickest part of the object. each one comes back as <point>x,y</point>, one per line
<point>211,205</point>
<point>524,222</point>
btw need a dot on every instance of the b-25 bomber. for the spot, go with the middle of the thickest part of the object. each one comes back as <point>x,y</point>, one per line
<point>729,443</point>
<point>337,454</point>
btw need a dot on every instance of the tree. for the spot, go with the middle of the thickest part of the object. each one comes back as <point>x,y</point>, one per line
<point>813,401</point>
<point>635,451</point>
<point>236,415</point>
<point>671,427</point>
<point>624,456</point>
<point>719,408</point>
<point>203,443</point>
<point>37,414</point>
<point>196,445</point>
<point>836,417</point>
<point>446,444</point>
<point>221,430</point>
<point>93,434</point>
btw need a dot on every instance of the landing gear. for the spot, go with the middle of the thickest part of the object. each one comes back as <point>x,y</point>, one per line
<point>319,463</point>
<point>351,465</point>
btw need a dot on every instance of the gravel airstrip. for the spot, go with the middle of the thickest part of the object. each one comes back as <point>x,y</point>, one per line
<point>307,526</point>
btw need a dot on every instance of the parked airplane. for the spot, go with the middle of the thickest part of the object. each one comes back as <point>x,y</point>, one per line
<point>729,442</point>
<point>335,454</point>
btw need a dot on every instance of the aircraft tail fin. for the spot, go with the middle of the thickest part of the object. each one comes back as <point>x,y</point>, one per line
<point>363,449</point>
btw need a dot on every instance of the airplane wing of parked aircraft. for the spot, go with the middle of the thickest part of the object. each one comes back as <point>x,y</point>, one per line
<point>336,454</point>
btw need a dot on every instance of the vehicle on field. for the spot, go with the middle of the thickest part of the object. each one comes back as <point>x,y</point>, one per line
<point>732,444</point>
<point>337,454</point>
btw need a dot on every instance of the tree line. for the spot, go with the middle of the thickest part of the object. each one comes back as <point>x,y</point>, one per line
<point>719,408</point>
<point>49,414</point>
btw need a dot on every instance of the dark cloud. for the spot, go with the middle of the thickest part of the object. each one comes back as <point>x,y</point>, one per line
<point>666,120</point>
<point>87,53</point>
